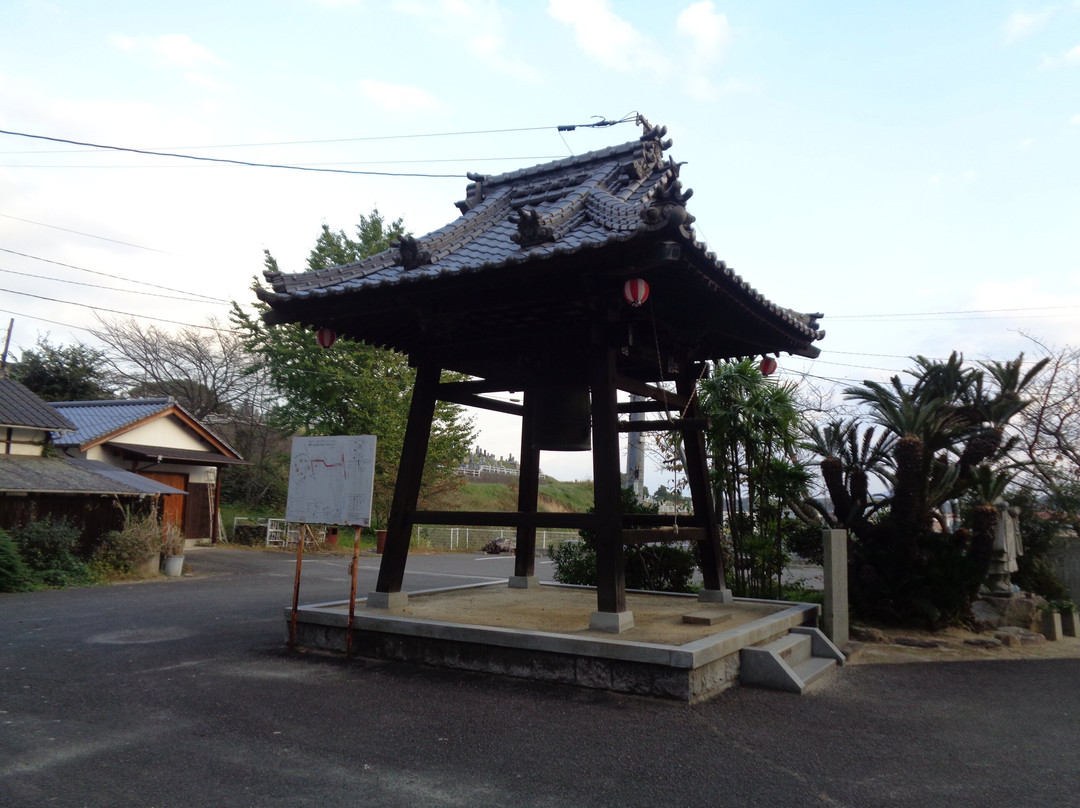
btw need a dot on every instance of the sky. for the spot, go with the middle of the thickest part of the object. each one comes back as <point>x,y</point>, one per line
<point>911,170</point>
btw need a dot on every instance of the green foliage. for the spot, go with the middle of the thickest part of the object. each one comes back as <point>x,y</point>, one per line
<point>48,546</point>
<point>654,567</point>
<point>14,574</point>
<point>352,388</point>
<point>751,438</point>
<point>64,373</point>
<point>946,438</point>
<point>124,552</point>
<point>804,540</point>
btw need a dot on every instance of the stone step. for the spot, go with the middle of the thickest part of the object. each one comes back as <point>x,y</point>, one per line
<point>813,668</point>
<point>792,648</point>
<point>789,663</point>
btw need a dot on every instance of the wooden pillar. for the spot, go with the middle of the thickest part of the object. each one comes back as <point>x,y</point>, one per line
<point>697,476</point>
<point>528,493</point>
<point>610,563</point>
<point>407,489</point>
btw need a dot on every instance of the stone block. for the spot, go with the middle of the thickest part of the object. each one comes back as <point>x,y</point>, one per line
<point>706,617</point>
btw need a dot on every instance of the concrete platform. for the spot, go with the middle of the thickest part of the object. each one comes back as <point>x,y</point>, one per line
<point>543,633</point>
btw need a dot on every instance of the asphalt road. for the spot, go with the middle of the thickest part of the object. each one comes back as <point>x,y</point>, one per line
<point>181,693</point>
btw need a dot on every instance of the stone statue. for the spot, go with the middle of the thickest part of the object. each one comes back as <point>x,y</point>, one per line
<point>1007,548</point>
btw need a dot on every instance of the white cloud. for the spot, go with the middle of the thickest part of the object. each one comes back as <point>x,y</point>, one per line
<point>1022,24</point>
<point>168,50</point>
<point>604,35</point>
<point>1075,119</point>
<point>1026,144</point>
<point>1073,56</point>
<point>708,31</point>
<point>398,97</point>
<point>708,34</point>
<point>477,23</point>
<point>970,175</point>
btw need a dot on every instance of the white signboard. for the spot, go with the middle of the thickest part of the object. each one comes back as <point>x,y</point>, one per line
<point>330,480</point>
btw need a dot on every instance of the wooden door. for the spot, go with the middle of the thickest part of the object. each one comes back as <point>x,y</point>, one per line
<point>172,509</point>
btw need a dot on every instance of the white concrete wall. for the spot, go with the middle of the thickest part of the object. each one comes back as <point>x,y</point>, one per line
<point>24,442</point>
<point>166,431</point>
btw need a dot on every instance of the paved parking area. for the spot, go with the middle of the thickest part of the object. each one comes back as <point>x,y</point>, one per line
<point>181,693</point>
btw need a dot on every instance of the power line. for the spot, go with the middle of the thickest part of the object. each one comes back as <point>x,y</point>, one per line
<point>929,314</point>
<point>116,311</point>
<point>107,288</point>
<point>248,163</point>
<point>80,233</point>
<point>107,275</point>
<point>470,160</point>
<point>557,127</point>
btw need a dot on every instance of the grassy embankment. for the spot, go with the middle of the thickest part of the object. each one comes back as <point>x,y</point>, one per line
<point>554,497</point>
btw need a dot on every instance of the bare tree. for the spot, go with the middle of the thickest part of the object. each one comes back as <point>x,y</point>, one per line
<point>1050,430</point>
<point>207,370</point>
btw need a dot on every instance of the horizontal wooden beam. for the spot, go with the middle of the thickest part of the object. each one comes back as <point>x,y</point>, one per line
<point>479,402</point>
<point>641,406</point>
<point>568,521</point>
<point>638,388</point>
<point>672,425</point>
<point>660,534</point>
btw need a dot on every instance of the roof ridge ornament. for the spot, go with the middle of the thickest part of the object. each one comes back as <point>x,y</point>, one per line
<point>667,201</point>
<point>412,253</point>
<point>532,229</point>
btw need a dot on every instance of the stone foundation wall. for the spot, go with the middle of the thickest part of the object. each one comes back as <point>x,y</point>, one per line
<point>620,676</point>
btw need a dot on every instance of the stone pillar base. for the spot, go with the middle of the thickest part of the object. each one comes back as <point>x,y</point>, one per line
<point>523,582</point>
<point>715,596</point>
<point>611,622</point>
<point>387,600</point>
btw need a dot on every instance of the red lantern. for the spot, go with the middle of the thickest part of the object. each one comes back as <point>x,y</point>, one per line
<point>768,366</point>
<point>636,291</point>
<point>326,337</point>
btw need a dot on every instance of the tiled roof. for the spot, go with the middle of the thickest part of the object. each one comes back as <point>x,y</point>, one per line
<point>66,475</point>
<point>20,407</point>
<point>603,213</point>
<point>97,419</point>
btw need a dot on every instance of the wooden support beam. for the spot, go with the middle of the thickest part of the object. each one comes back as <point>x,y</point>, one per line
<point>672,425</point>
<point>649,535</point>
<point>675,401</point>
<point>647,405</point>
<point>607,482</point>
<point>554,521</point>
<point>410,472</point>
<point>528,492</point>
<point>697,476</point>
<point>473,400</point>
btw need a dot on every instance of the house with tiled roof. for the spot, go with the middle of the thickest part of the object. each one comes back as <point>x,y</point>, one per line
<point>36,480</point>
<point>156,439</point>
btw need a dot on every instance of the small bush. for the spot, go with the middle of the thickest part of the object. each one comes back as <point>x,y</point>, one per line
<point>14,574</point>
<point>123,552</point>
<point>659,568</point>
<point>48,547</point>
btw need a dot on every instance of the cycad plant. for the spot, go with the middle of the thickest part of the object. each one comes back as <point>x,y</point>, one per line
<point>944,435</point>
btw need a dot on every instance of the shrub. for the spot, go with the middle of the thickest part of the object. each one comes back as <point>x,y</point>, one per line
<point>654,567</point>
<point>48,547</point>
<point>14,574</point>
<point>123,552</point>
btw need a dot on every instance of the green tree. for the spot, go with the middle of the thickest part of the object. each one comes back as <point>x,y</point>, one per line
<point>752,437</point>
<point>64,373</point>
<point>352,388</point>
<point>945,439</point>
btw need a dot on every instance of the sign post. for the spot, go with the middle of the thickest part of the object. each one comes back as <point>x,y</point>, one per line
<point>330,483</point>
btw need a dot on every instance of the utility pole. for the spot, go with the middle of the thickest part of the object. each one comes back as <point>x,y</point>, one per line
<point>7,344</point>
